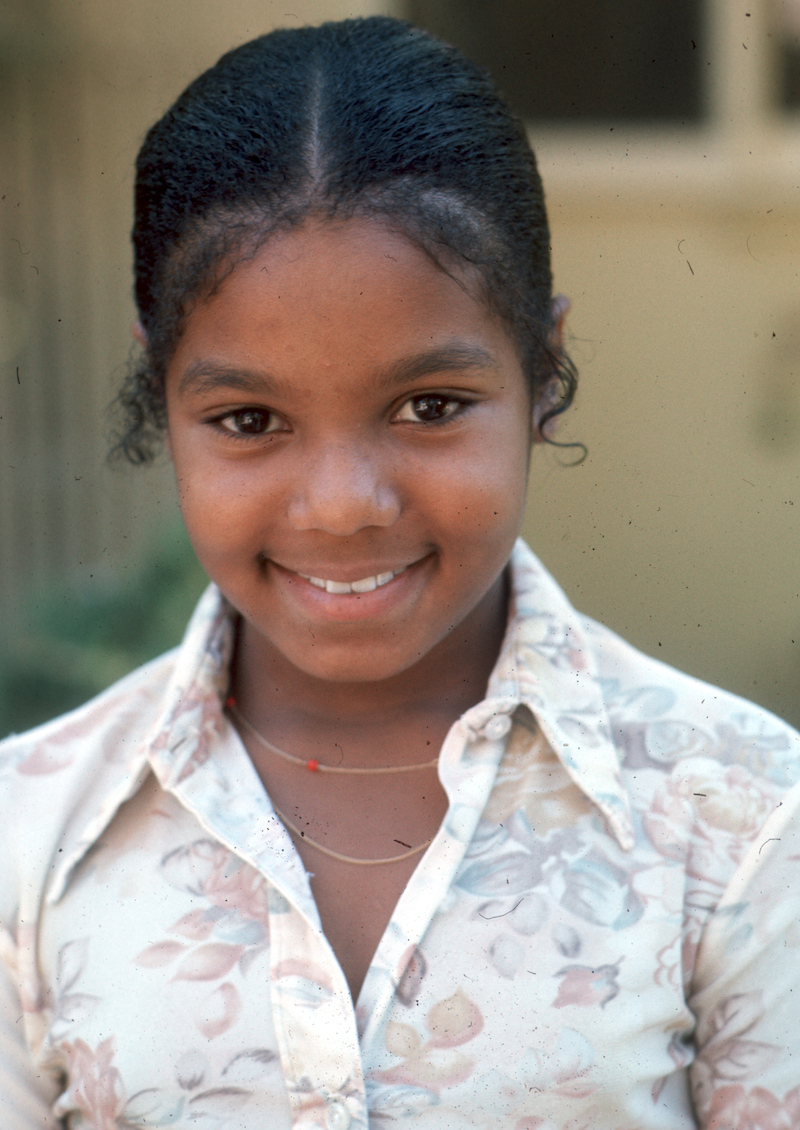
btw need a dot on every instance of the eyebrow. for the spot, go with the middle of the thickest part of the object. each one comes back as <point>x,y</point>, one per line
<point>206,376</point>
<point>444,359</point>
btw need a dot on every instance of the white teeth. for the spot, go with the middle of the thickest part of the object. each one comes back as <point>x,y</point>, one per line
<point>366,584</point>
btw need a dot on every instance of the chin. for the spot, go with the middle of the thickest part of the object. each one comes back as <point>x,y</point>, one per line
<point>347,668</point>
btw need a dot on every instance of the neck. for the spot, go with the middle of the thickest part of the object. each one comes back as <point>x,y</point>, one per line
<point>284,701</point>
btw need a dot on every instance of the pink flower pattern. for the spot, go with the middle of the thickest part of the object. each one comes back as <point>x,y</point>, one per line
<point>733,1108</point>
<point>95,1087</point>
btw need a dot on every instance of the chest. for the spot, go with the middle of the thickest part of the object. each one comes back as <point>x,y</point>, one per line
<point>354,894</point>
<point>182,978</point>
<point>517,1003</point>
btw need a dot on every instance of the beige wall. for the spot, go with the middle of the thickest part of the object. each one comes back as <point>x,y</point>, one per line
<point>680,530</point>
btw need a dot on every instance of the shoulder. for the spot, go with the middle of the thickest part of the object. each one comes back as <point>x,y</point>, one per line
<point>113,726</point>
<point>655,716</point>
<point>660,716</point>
<point>110,723</point>
<point>55,777</point>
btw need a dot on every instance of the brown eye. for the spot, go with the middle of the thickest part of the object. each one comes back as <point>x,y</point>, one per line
<point>428,409</point>
<point>250,421</point>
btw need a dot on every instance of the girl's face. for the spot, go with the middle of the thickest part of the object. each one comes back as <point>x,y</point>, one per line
<point>350,429</point>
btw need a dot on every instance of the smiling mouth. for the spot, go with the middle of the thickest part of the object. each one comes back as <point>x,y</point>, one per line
<point>365,584</point>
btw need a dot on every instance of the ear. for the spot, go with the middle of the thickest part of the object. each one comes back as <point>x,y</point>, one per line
<point>549,395</point>
<point>559,308</point>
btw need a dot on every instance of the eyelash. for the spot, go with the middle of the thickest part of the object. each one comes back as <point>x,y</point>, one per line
<point>460,407</point>
<point>229,433</point>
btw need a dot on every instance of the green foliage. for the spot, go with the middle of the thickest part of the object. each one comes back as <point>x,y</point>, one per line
<point>79,640</point>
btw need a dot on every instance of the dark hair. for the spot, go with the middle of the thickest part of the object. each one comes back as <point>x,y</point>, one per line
<point>367,117</point>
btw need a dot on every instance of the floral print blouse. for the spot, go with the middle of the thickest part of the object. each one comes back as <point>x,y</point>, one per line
<point>603,935</point>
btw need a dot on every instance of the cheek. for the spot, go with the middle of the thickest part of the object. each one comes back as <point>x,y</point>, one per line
<point>480,499</point>
<point>220,514</point>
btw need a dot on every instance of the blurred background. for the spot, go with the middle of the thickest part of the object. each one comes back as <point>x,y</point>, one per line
<point>669,145</point>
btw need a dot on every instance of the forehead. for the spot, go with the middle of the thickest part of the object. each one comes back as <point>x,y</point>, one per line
<point>345,296</point>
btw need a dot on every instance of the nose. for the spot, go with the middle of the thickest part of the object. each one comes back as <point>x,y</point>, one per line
<point>342,488</point>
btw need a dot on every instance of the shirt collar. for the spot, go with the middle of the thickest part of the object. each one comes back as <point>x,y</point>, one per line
<point>546,663</point>
<point>191,719</point>
<point>187,717</point>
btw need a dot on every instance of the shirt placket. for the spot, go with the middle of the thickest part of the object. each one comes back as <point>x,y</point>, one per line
<point>312,1012</point>
<point>315,1025</point>
<point>468,763</point>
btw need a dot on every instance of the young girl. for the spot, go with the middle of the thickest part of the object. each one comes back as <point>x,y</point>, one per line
<point>396,835</point>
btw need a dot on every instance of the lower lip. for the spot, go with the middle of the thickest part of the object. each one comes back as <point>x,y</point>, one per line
<point>351,606</point>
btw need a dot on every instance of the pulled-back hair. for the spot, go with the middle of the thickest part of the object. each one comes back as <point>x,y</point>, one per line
<point>367,118</point>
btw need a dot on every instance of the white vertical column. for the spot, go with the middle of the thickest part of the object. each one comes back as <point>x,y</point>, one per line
<point>740,78</point>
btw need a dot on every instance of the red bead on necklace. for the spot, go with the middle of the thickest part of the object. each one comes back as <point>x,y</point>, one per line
<point>312,765</point>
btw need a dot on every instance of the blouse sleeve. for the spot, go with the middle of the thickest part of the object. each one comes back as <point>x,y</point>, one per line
<point>26,1093</point>
<point>746,988</point>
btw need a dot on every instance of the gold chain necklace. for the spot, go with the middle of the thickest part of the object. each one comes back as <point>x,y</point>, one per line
<point>347,858</point>
<point>312,764</point>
